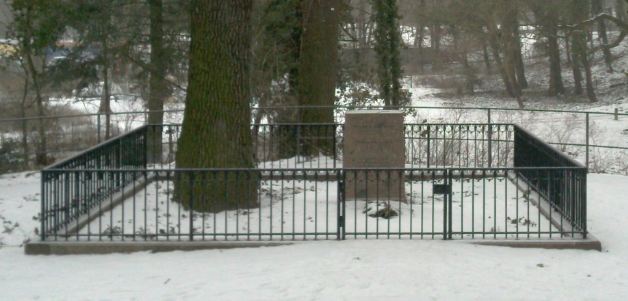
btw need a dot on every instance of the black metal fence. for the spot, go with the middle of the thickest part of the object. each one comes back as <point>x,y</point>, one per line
<point>576,132</point>
<point>320,145</point>
<point>460,181</point>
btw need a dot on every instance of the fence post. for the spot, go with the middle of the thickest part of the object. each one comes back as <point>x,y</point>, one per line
<point>616,114</point>
<point>191,178</point>
<point>334,146</point>
<point>340,206</point>
<point>445,205</point>
<point>587,139</point>
<point>450,198</point>
<point>583,196</point>
<point>42,216</point>
<point>490,140</point>
<point>428,146</point>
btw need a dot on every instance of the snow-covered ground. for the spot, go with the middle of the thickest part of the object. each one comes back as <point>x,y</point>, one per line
<point>302,208</point>
<point>324,270</point>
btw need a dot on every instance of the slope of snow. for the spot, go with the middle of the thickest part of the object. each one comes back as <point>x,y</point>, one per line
<point>326,270</point>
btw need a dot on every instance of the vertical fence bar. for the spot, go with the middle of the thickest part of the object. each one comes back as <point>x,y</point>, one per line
<point>445,205</point>
<point>192,182</point>
<point>490,140</point>
<point>450,182</point>
<point>584,204</point>
<point>428,146</point>
<point>43,214</point>
<point>333,147</point>
<point>343,204</point>
<point>339,215</point>
<point>587,139</point>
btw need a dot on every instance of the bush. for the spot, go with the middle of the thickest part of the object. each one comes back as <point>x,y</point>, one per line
<point>11,158</point>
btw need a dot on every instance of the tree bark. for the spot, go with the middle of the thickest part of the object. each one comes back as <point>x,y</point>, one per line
<point>556,86</point>
<point>41,157</point>
<point>435,36</point>
<point>579,51</point>
<point>621,10</point>
<point>547,18</point>
<point>25,148</point>
<point>509,34</point>
<point>157,84</point>
<point>493,37</point>
<point>318,72</point>
<point>216,129</point>
<point>596,8</point>
<point>419,43</point>
<point>387,44</point>
<point>105,100</point>
<point>486,55</point>
<point>519,66</point>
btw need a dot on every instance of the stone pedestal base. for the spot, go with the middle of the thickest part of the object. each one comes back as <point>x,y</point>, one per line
<point>375,185</point>
<point>374,140</point>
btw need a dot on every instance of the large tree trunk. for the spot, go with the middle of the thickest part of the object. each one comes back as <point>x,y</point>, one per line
<point>387,44</point>
<point>42,147</point>
<point>421,37</point>
<point>318,72</point>
<point>497,37</point>
<point>576,45</point>
<point>157,85</point>
<point>556,86</point>
<point>621,10</point>
<point>493,39</point>
<point>105,99</point>
<point>486,55</point>
<point>24,124</point>
<point>41,157</point>
<point>579,51</point>
<point>597,8</point>
<point>519,66</point>
<point>509,34</point>
<point>575,63</point>
<point>435,36</point>
<point>470,77</point>
<point>216,129</point>
<point>548,20</point>
<point>284,139</point>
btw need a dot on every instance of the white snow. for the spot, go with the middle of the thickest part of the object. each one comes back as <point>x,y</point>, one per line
<point>324,270</point>
<point>307,207</point>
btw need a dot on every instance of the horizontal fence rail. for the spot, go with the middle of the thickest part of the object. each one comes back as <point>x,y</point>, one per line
<point>313,204</point>
<point>321,145</point>
<point>461,181</point>
<point>20,139</point>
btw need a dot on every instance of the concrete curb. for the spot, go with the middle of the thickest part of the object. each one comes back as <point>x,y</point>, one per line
<point>108,247</point>
<point>589,244</point>
<point>79,248</point>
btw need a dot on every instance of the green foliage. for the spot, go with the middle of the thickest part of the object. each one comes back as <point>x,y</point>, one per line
<point>37,23</point>
<point>387,45</point>
<point>280,39</point>
<point>11,157</point>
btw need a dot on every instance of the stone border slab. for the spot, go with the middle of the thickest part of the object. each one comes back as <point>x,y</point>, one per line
<point>80,248</point>
<point>589,244</point>
<point>84,248</point>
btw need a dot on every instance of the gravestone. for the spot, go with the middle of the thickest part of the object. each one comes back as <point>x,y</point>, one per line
<point>374,140</point>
